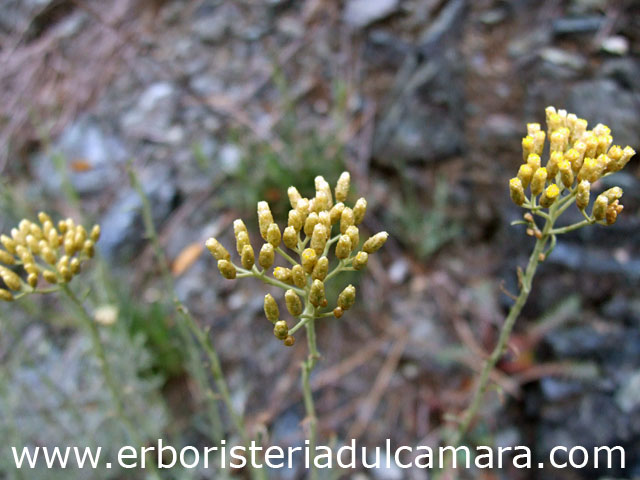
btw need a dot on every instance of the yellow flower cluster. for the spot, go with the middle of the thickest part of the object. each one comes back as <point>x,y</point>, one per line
<point>309,234</point>
<point>577,158</point>
<point>41,249</point>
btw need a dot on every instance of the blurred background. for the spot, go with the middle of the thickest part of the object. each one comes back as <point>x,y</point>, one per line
<point>220,104</point>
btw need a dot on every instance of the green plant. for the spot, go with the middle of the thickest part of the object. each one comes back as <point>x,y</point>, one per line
<point>578,158</point>
<point>308,235</point>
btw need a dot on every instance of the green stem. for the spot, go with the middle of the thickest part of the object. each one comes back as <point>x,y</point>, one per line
<point>570,228</point>
<point>112,385</point>
<point>195,365</point>
<point>509,323</point>
<point>286,256</point>
<point>306,369</point>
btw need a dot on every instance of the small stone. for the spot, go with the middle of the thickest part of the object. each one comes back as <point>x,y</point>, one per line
<point>230,157</point>
<point>628,397</point>
<point>615,45</point>
<point>360,13</point>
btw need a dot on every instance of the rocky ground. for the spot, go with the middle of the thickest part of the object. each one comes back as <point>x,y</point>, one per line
<point>220,103</point>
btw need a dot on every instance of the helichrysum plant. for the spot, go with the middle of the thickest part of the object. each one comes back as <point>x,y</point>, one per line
<point>43,257</point>
<point>575,160</point>
<point>313,255</point>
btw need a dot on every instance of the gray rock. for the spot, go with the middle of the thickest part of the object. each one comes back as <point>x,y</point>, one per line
<point>615,45</point>
<point>360,13</point>
<point>605,101</point>
<point>85,141</point>
<point>628,397</point>
<point>151,117</point>
<point>122,226</point>
<point>211,28</point>
<point>582,24</point>
<point>424,118</point>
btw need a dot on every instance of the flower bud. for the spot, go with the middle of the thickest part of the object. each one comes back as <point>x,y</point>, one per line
<point>360,260</point>
<point>31,268</point>
<point>227,270</point>
<point>273,235</point>
<point>74,266</point>
<point>321,269</point>
<point>373,244</point>
<point>309,259</point>
<point>604,142</point>
<point>591,141</point>
<point>549,195</point>
<point>62,226</point>
<point>310,223</point>
<point>566,173</point>
<point>316,294</point>
<point>582,196</point>
<point>242,240</point>
<point>527,147</point>
<point>283,274</point>
<point>53,238</point>
<point>613,194</point>
<point>525,172</point>
<point>8,243</point>
<point>319,238</point>
<point>354,235</point>
<point>321,202</point>
<point>65,273</point>
<point>79,237</point>
<point>538,142</point>
<point>343,248</point>
<point>336,212</point>
<point>32,243</point>
<point>574,157</point>
<point>217,250</point>
<point>294,196</point>
<point>289,341</point>
<point>552,165</point>
<point>323,186</point>
<point>591,170</point>
<point>248,257</point>
<point>265,218</point>
<point>290,238</point>
<point>303,207</point>
<point>533,161</point>
<point>612,212</point>
<point>271,309</point>
<point>32,280</point>
<point>266,257</point>
<point>51,277</point>
<point>359,210</point>
<point>615,165</point>
<point>346,219</point>
<point>49,255</point>
<point>342,187</point>
<point>324,218</point>
<point>43,217</point>
<point>516,191</point>
<point>6,295</point>
<point>281,330</point>
<point>10,278</point>
<point>89,248</point>
<point>298,276</point>
<point>294,304</point>
<point>296,220</point>
<point>95,233</point>
<point>6,258</point>
<point>24,254</point>
<point>347,298</point>
<point>600,208</point>
<point>538,181</point>
<point>338,312</point>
